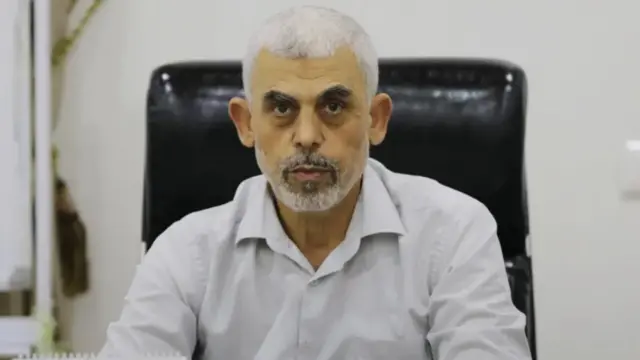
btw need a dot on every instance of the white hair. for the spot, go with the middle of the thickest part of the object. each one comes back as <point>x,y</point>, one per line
<point>312,32</point>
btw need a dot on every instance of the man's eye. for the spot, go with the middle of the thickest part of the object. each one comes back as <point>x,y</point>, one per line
<point>333,108</point>
<point>282,110</point>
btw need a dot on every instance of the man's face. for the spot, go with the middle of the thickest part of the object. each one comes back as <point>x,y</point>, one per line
<point>309,120</point>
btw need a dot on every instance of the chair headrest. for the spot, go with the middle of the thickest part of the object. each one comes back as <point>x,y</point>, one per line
<point>458,121</point>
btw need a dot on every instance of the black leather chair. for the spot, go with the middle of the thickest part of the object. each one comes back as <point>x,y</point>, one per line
<point>461,122</point>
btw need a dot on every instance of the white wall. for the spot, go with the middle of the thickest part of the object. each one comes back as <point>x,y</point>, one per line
<point>15,160</point>
<point>582,61</point>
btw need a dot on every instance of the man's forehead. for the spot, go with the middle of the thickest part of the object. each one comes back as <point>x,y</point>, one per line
<point>307,77</point>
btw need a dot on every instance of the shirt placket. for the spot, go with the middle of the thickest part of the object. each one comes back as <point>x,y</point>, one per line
<point>311,301</point>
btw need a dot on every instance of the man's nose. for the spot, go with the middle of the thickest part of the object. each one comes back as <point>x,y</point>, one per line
<point>308,132</point>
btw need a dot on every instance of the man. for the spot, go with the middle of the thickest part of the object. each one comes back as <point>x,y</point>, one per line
<point>327,255</point>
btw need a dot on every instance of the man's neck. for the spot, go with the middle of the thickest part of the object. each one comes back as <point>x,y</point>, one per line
<point>320,230</point>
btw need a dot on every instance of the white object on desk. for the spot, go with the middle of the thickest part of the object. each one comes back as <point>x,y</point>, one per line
<point>629,172</point>
<point>17,335</point>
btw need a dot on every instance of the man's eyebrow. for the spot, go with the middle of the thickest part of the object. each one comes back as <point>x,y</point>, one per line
<point>337,91</point>
<point>274,96</point>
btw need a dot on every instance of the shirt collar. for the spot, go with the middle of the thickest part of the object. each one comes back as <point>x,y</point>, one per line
<point>259,219</point>
<point>380,213</point>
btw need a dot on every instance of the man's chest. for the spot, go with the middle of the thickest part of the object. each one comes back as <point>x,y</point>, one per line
<point>275,310</point>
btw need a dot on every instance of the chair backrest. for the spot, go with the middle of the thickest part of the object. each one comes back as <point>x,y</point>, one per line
<point>459,121</point>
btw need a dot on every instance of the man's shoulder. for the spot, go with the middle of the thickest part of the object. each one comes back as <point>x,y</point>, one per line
<point>211,227</point>
<point>416,195</point>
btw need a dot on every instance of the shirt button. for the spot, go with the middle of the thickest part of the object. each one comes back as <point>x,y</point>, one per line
<point>314,282</point>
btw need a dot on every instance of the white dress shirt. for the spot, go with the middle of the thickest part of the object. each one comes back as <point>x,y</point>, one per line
<point>420,275</point>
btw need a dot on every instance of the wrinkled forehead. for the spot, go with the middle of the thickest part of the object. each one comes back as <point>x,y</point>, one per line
<point>307,78</point>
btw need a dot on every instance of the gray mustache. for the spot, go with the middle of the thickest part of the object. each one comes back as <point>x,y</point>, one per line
<point>311,159</point>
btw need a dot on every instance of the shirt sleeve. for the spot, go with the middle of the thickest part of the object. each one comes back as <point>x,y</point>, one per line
<point>471,314</point>
<point>159,315</point>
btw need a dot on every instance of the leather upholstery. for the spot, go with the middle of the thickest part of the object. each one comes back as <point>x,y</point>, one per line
<point>194,158</point>
<point>461,122</point>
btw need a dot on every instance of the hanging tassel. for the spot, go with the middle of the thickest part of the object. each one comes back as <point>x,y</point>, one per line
<point>72,243</point>
<point>71,231</point>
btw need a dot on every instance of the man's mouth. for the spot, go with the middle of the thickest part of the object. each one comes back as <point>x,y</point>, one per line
<point>309,173</point>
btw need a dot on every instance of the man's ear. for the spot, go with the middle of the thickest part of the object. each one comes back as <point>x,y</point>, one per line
<point>381,107</point>
<point>240,113</point>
